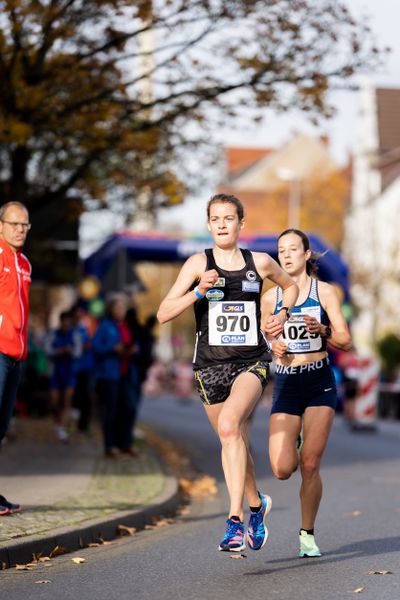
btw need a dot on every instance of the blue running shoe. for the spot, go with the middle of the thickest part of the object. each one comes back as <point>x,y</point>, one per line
<point>234,537</point>
<point>257,532</point>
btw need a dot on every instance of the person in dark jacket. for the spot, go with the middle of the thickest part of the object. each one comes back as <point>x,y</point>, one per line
<point>64,347</point>
<point>114,352</point>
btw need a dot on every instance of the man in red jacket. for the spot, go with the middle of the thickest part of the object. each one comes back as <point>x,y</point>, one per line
<point>15,278</point>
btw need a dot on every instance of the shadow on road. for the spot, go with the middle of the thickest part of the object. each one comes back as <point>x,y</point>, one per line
<point>370,547</point>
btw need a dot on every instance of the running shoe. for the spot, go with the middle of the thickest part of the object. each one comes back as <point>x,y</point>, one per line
<point>257,532</point>
<point>234,537</point>
<point>308,547</point>
<point>8,508</point>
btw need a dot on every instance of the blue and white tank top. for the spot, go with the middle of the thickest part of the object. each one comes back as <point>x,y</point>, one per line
<point>295,334</point>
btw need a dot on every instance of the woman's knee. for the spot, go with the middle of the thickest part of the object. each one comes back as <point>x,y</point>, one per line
<point>283,471</point>
<point>309,467</point>
<point>228,428</point>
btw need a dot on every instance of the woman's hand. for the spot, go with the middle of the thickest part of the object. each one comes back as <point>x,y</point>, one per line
<point>279,349</point>
<point>207,281</point>
<point>312,324</point>
<point>274,324</point>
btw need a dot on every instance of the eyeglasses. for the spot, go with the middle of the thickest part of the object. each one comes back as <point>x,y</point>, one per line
<point>14,225</point>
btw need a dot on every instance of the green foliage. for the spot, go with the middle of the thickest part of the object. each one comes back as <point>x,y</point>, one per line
<point>389,350</point>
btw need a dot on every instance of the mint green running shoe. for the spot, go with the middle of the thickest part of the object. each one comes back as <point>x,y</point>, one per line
<point>308,547</point>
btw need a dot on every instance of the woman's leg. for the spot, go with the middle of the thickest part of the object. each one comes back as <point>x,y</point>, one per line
<point>66,405</point>
<point>126,415</point>
<point>229,421</point>
<point>317,425</point>
<point>284,429</point>
<point>107,391</point>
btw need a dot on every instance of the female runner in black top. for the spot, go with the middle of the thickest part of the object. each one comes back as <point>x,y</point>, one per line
<point>231,354</point>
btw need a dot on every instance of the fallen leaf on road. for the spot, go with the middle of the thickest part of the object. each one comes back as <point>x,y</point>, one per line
<point>358,590</point>
<point>57,551</point>
<point>36,556</point>
<point>185,511</point>
<point>43,581</point>
<point>78,560</point>
<point>379,572</point>
<point>199,487</point>
<point>163,522</point>
<point>106,542</point>
<point>237,556</point>
<point>27,567</point>
<point>93,545</point>
<point>355,513</point>
<point>124,530</point>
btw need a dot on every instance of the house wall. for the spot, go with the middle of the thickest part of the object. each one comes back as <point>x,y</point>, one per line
<point>371,244</point>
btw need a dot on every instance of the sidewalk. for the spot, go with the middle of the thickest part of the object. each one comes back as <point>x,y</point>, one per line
<point>71,496</point>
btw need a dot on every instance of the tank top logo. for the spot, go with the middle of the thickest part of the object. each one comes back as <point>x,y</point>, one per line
<point>251,275</point>
<point>250,286</point>
<point>214,295</point>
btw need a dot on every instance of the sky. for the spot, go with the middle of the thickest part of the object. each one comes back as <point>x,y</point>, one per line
<point>276,130</point>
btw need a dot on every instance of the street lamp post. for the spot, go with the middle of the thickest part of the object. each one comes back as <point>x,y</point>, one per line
<point>293,180</point>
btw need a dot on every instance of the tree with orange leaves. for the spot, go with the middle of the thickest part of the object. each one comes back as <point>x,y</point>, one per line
<point>90,115</point>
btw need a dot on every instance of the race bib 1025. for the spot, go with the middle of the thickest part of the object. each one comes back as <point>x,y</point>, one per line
<point>295,333</point>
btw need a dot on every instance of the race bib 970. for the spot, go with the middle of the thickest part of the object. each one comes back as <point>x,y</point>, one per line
<point>232,323</point>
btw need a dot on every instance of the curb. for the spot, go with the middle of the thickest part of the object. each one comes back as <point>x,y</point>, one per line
<point>73,538</point>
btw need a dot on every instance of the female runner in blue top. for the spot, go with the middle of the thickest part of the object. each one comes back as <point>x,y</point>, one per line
<point>304,389</point>
<point>231,358</point>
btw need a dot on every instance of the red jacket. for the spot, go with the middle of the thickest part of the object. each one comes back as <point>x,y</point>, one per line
<point>15,279</point>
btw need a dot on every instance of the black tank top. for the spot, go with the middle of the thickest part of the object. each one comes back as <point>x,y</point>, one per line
<point>228,318</point>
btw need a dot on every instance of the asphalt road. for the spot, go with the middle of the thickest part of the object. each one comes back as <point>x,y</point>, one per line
<point>358,530</point>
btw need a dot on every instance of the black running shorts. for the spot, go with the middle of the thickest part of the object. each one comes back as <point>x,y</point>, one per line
<point>297,388</point>
<point>214,383</point>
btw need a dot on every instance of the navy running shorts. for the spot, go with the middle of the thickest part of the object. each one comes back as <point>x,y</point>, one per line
<point>214,383</point>
<point>297,388</point>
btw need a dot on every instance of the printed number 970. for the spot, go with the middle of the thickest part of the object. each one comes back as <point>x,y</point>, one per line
<point>228,323</point>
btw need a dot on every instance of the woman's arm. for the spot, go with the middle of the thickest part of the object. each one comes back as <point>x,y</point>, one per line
<point>179,298</point>
<point>269,268</point>
<point>340,337</point>
<point>268,301</point>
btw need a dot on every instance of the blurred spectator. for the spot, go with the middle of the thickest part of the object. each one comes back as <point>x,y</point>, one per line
<point>63,347</point>
<point>35,382</point>
<point>84,367</point>
<point>147,356</point>
<point>116,378</point>
<point>157,380</point>
<point>144,339</point>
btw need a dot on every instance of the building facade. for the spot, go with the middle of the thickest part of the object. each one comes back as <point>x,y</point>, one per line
<point>372,241</point>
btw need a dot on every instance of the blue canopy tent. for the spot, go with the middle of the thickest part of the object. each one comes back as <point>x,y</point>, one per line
<point>157,247</point>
